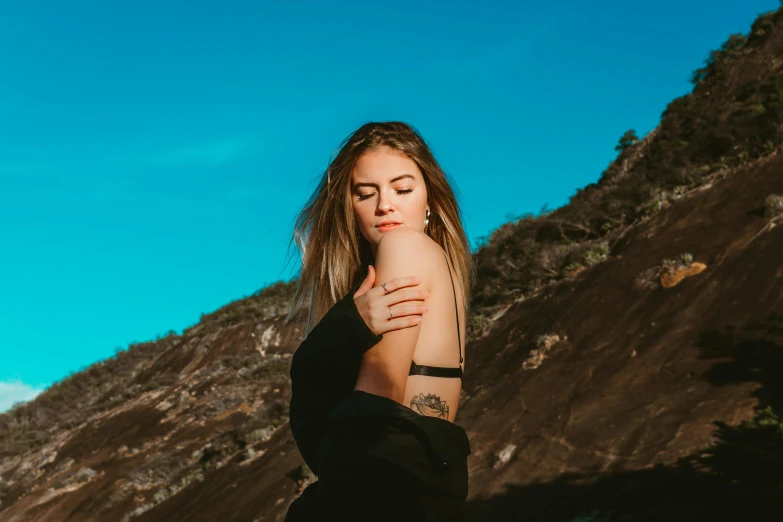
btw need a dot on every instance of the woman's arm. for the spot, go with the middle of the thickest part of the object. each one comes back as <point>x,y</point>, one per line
<point>323,370</point>
<point>384,368</point>
<point>325,366</point>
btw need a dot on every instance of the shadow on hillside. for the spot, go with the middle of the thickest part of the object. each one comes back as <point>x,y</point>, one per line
<point>739,477</point>
<point>684,492</point>
<point>752,353</point>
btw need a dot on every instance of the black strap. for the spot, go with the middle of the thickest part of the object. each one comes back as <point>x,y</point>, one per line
<point>456,308</point>
<point>440,371</point>
<point>435,371</point>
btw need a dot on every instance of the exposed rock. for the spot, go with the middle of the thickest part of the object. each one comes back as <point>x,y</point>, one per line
<point>504,456</point>
<point>194,427</point>
<point>544,343</point>
<point>669,280</point>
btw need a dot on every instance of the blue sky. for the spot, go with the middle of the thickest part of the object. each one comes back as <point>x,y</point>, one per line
<point>153,155</point>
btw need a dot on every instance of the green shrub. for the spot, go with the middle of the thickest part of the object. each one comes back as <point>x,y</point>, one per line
<point>751,453</point>
<point>654,205</point>
<point>596,253</point>
<point>611,224</point>
<point>627,140</point>
<point>728,51</point>
<point>478,322</point>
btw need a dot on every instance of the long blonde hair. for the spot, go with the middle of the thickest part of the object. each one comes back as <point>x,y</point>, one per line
<point>334,253</point>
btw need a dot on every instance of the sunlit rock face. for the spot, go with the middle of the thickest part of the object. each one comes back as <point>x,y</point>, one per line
<point>591,378</point>
<point>594,379</point>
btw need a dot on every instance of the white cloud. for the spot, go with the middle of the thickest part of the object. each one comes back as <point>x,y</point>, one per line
<point>16,391</point>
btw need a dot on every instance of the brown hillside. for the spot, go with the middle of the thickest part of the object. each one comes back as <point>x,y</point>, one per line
<point>610,376</point>
<point>643,373</point>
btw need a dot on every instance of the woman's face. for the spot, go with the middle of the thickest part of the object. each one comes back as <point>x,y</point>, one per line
<point>387,186</point>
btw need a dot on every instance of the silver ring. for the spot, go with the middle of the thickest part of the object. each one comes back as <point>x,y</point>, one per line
<point>390,313</point>
<point>384,288</point>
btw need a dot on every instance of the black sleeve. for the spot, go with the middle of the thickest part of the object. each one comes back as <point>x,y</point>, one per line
<point>324,370</point>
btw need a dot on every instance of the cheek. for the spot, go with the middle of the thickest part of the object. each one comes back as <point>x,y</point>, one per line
<point>361,217</point>
<point>420,204</point>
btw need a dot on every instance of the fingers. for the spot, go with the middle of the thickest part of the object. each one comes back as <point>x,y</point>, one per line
<point>386,318</point>
<point>400,282</point>
<point>401,310</point>
<point>401,322</point>
<point>401,289</point>
<point>406,294</point>
<point>399,296</point>
<point>402,316</point>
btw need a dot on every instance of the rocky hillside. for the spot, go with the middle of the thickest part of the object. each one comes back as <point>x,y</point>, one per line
<point>624,357</point>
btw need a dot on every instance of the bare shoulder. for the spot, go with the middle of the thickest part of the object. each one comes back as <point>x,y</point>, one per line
<point>409,243</point>
<point>404,252</point>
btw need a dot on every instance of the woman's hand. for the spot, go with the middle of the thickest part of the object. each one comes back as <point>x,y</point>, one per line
<point>406,304</point>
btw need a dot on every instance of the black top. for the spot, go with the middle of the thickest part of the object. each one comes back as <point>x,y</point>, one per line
<point>324,370</point>
<point>368,451</point>
<point>439,371</point>
<point>383,462</point>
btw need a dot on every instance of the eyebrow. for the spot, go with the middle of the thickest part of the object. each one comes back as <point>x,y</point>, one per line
<point>356,186</point>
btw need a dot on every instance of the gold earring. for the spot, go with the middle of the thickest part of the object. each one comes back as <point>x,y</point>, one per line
<point>427,220</point>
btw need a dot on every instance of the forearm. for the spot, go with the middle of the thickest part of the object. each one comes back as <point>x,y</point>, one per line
<point>324,369</point>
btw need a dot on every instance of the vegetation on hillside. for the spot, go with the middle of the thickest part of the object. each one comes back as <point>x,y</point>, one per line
<point>733,116</point>
<point>70,401</point>
<point>105,384</point>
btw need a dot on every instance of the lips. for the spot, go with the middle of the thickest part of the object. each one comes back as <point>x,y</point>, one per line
<point>387,226</point>
<point>387,223</point>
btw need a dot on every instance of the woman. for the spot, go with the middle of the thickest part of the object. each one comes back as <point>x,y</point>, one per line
<point>376,382</point>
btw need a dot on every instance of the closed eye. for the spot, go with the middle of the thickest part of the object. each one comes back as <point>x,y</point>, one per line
<point>400,192</point>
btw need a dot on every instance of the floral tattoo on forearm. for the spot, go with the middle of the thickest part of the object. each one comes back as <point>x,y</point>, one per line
<point>430,405</point>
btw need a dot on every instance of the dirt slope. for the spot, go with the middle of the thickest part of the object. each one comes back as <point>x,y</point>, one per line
<point>644,372</point>
<point>638,380</point>
<point>593,386</point>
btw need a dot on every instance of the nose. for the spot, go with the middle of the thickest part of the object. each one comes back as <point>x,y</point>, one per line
<point>384,204</point>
